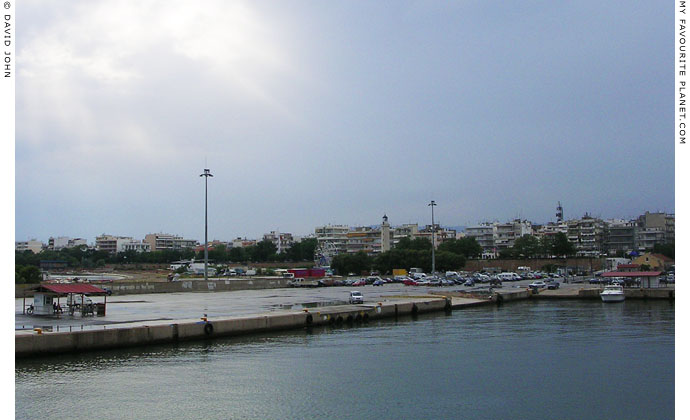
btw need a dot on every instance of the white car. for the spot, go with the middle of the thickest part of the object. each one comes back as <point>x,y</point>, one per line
<point>356,297</point>
<point>537,284</point>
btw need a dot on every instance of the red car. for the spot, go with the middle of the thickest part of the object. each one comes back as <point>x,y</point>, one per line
<point>360,282</point>
<point>409,282</point>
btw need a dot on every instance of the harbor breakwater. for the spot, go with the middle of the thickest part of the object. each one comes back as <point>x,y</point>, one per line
<point>38,342</point>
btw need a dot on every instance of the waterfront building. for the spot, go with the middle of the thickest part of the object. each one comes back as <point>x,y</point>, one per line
<point>620,236</point>
<point>440,235</point>
<point>659,221</point>
<point>364,238</point>
<point>587,234</point>
<point>333,237</point>
<point>165,241</point>
<point>112,244</point>
<point>242,243</point>
<point>409,230</point>
<point>32,245</point>
<point>654,261</point>
<point>495,237</point>
<point>56,244</point>
<point>136,246</point>
<point>484,235</point>
<point>506,233</point>
<point>282,241</point>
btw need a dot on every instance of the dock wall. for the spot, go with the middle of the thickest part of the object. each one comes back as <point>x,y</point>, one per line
<point>221,285</point>
<point>43,343</point>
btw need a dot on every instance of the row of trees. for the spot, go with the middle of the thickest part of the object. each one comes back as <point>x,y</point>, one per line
<point>529,246</point>
<point>450,255</point>
<point>83,257</point>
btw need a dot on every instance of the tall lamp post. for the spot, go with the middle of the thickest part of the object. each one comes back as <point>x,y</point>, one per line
<point>206,174</point>
<point>433,240</point>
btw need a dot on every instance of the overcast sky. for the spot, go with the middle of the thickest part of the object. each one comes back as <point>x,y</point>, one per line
<point>316,112</point>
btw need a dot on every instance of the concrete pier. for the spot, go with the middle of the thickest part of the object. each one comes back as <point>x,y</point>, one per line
<point>38,342</point>
<point>33,343</point>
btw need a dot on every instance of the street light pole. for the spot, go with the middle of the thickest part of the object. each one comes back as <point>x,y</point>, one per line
<point>433,240</point>
<point>206,174</point>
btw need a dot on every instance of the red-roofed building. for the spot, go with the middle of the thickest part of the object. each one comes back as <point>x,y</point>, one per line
<point>654,261</point>
<point>628,267</point>
<point>47,299</point>
<point>646,279</point>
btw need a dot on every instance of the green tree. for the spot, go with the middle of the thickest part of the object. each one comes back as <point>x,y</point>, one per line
<point>668,250</point>
<point>352,263</point>
<point>418,244</point>
<point>561,246</point>
<point>528,246</point>
<point>27,274</point>
<point>237,254</point>
<point>468,247</point>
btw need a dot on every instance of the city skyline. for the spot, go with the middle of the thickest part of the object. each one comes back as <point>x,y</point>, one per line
<point>459,228</point>
<point>310,113</point>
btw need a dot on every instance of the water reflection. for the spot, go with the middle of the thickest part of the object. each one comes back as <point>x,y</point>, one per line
<point>481,361</point>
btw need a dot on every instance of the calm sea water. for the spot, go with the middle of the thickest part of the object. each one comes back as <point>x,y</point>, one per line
<point>530,360</point>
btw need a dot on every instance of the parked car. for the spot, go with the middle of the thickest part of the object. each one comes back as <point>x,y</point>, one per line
<point>360,282</point>
<point>379,282</point>
<point>447,282</point>
<point>410,282</point>
<point>434,281</point>
<point>537,284</point>
<point>356,297</point>
<point>469,283</point>
<point>553,285</point>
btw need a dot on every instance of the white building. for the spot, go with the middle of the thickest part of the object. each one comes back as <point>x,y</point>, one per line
<point>32,245</point>
<point>137,246</point>
<point>165,241</point>
<point>333,237</point>
<point>112,244</point>
<point>282,241</point>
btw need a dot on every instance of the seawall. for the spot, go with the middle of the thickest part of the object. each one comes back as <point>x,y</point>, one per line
<point>220,285</point>
<point>36,343</point>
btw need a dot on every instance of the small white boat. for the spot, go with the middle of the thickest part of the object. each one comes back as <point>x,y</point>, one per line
<point>612,294</point>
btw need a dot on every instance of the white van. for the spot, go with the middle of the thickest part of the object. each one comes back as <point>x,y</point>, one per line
<point>509,277</point>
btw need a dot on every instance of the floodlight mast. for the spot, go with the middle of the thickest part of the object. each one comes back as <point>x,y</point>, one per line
<point>206,174</point>
<point>433,240</point>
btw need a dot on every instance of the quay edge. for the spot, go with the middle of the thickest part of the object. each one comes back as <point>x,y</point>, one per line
<point>33,343</point>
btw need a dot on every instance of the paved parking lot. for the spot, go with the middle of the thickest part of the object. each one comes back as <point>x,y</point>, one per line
<point>169,306</point>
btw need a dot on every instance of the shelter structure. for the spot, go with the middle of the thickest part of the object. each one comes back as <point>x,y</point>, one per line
<point>47,299</point>
<point>646,279</point>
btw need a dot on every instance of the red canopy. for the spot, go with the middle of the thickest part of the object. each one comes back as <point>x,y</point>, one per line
<point>64,289</point>
<point>631,274</point>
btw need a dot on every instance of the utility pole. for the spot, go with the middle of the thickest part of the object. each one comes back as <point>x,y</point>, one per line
<point>433,240</point>
<point>206,174</point>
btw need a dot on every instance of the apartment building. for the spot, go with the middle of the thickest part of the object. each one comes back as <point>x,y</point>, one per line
<point>56,244</point>
<point>32,245</point>
<point>587,234</point>
<point>365,238</point>
<point>654,228</point>
<point>136,246</point>
<point>282,241</point>
<point>112,244</point>
<point>332,237</point>
<point>484,235</point>
<point>242,242</point>
<point>164,241</point>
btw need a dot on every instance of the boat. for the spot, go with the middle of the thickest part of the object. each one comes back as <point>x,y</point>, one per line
<point>612,294</point>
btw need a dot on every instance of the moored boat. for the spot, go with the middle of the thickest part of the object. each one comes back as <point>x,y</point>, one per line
<point>612,294</point>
